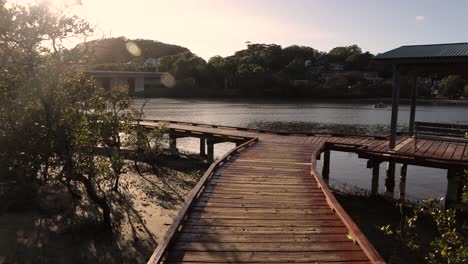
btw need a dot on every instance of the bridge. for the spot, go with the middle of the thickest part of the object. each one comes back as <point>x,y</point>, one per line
<point>265,202</point>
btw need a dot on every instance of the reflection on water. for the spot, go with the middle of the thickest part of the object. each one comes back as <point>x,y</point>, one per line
<point>320,127</point>
<point>299,116</point>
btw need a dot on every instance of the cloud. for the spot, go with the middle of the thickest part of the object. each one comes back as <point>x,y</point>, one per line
<point>420,19</point>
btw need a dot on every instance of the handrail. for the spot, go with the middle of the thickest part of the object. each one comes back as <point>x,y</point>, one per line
<point>284,133</point>
<point>354,231</point>
<point>158,254</point>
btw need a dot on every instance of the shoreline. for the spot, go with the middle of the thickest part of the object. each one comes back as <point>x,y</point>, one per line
<point>403,101</point>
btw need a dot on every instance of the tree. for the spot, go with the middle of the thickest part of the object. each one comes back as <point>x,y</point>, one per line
<point>340,54</point>
<point>300,52</point>
<point>359,61</point>
<point>112,53</point>
<point>452,86</point>
<point>56,127</point>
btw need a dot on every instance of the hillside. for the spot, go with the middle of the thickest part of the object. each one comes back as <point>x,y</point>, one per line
<point>113,54</point>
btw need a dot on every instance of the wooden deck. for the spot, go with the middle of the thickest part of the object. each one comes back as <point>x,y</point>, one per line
<point>432,153</point>
<point>264,202</point>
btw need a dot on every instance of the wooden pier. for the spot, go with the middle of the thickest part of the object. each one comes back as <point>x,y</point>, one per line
<point>264,201</point>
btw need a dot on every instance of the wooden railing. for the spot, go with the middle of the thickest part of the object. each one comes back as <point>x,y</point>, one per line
<point>354,232</point>
<point>194,194</point>
<point>441,129</point>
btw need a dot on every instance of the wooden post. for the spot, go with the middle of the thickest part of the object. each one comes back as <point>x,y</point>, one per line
<point>326,165</point>
<point>202,147</point>
<point>414,94</point>
<point>403,172</point>
<point>395,103</point>
<point>453,182</point>
<point>210,145</point>
<point>375,178</point>
<point>390,180</point>
<point>173,145</point>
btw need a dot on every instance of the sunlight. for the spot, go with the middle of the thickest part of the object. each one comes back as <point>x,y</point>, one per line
<point>61,4</point>
<point>133,48</point>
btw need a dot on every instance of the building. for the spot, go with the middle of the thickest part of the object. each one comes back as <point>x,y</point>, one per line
<point>372,76</point>
<point>138,83</point>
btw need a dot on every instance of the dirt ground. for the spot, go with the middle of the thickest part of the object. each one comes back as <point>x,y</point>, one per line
<point>142,212</point>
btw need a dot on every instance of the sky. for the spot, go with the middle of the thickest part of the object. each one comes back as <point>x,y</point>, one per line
<point>221,27</point>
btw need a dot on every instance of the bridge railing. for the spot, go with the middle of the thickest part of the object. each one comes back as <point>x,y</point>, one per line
<point>355,233</point>
<point>177,224</point>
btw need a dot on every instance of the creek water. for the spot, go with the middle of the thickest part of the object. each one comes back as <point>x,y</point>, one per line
<point>347,171</point>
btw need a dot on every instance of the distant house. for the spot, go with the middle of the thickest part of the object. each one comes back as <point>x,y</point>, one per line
<point>138,83</point>
<point>335,67</point>
<point>372,76</point>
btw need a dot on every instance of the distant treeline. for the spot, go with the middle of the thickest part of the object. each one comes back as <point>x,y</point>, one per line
<point>260,70</point>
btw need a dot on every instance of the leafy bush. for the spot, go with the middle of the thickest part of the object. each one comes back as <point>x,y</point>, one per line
<point>432,227</point>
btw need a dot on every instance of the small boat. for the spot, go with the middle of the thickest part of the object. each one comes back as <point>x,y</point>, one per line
<point>380,105</point>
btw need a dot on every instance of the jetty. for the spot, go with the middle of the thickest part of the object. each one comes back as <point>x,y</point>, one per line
<point>265,202</point>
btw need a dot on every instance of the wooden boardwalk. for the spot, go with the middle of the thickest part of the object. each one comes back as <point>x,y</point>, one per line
<point>423,152</point>
<point>264,202</point>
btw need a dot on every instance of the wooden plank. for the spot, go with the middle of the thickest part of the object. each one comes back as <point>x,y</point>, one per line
<point>459,151</point>
<point>259,200</point>
<point>440,150</point>
<point>244,257</point>
<point>449,151</point>
<point>262,200</point>
<point>279,238</point>
<point>284,205</point>
<point>160,250</point>
<point>275,222</point>
<point>231,230</point>
<point>261,210</point>
<point>425,147</point>
<point>267,247</point>
<point>196,215</point>
<point>433,148</point>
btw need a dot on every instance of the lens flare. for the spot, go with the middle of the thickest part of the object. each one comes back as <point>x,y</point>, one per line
<point>133,49</point>
<point>168,80</point>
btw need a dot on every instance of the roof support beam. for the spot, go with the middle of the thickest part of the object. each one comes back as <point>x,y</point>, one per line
<point>414,94</point>
<point>395,104</point>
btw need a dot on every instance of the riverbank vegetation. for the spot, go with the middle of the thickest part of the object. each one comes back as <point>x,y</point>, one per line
<point>409,232</point>
<point>268,70</point>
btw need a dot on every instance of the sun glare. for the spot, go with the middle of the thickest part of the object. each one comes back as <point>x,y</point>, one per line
<point>133,48</point>
<point>60,4</point>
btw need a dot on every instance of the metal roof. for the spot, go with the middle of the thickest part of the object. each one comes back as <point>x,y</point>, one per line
<point>433,51</point>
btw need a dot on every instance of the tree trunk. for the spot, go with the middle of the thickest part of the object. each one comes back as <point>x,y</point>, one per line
<point>116,184</point>
<point>100,201</point>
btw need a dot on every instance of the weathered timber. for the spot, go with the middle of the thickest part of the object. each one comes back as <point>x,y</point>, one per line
<point>265,193</point>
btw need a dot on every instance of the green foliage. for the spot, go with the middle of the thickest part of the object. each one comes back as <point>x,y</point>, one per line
<point>145,145</point>
<point>452,85</point>
<point>341,54</point>
<point>56,127</point>
<point>359,61</point>
<point>447,243</point>
<point>112,51</point>
<point>261,67</point>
